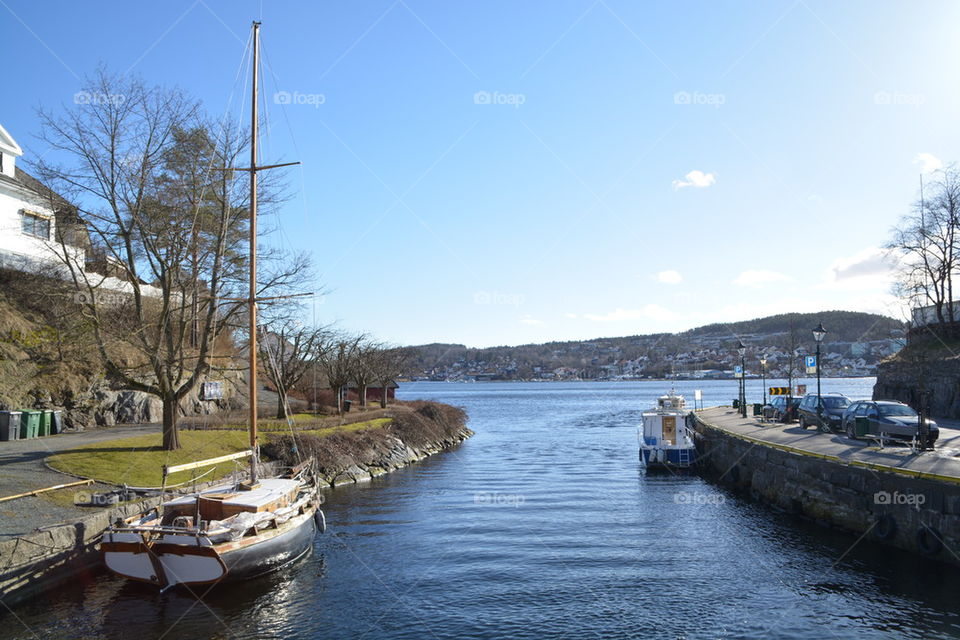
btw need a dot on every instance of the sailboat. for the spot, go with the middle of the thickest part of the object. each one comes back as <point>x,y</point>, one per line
<point>236,530</point>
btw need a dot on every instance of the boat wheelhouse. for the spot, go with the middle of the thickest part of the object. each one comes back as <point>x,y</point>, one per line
<point>666,439</point>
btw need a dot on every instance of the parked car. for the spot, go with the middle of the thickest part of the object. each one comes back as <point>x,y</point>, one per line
<point>834,405</point>
<point>895,420</point>
<point>778,409</point>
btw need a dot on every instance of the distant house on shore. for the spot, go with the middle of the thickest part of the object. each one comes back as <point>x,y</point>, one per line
<point>36,224</point>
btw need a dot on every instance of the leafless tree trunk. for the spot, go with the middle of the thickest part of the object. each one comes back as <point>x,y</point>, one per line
<point>338,360</point>
<point>147,175</point>
<point>927,239</point>
<point>288,351</point>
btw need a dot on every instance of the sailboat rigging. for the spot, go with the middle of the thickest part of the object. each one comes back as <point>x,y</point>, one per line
<point>238,529</point>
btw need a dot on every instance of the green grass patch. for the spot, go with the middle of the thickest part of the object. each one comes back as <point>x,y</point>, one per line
<point>138,461</point>
<point>353,426</point>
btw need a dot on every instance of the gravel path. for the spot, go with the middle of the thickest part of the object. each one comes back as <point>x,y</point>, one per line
<point>22,469</point>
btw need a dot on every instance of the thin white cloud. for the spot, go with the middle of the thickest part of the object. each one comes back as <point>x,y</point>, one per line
<point>648,312</point>
<point>669,277</point>
<point>928,162</point>
<point>870,271</point>
<point>695,178</point>
<point>759,277</point>
<point>572,316</point>
<point>529,319</point>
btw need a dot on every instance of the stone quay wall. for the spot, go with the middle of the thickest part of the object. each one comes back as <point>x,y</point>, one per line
<point>904,509</point>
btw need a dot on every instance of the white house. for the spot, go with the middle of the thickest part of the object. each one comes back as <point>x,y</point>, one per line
<point>29,215</point>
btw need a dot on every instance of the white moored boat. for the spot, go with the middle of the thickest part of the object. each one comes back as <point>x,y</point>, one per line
<point>666,439</point>
<point>232,531</point>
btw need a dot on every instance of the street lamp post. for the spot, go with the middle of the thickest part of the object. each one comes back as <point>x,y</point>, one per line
<point>742,350</point>
<point>818,334</point>
<point>763,377</point>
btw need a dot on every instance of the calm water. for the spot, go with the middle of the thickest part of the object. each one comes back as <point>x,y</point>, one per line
<point>543,526</point>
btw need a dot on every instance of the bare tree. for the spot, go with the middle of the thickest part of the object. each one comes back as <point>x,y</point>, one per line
<point>388,364</point>
<point>147,175</point>
<point>364,371</point>
<point>927,238</point>
<point>338,361</point>
<point>289,350</point>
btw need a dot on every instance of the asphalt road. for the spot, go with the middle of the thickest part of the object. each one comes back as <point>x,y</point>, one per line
<point>22,469</point>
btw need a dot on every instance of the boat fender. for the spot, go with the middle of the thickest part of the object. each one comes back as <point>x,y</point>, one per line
<point>885,528</point>
<point>929,541</point>
<point>321,521</point>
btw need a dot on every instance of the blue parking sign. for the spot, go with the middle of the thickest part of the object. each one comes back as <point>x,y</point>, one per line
<point>811,361</point>
<point>738,371</point>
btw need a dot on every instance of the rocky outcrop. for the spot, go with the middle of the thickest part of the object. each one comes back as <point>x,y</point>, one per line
<point>906,379</point>
<point>102,406</point>
<point>417,430</point>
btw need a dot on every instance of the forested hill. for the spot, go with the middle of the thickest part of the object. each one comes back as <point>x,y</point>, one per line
<point>845,326</point>
<point>856,342</point>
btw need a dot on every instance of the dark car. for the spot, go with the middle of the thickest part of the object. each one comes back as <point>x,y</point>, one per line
<point>778,409</point>
<point>834,404</point>
<point>887,419</point>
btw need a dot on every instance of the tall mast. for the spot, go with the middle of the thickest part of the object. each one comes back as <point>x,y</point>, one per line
<point>253,258</point>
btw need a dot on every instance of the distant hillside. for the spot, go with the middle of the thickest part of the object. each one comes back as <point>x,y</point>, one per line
<point>855,343</point>
<point>846,326</point>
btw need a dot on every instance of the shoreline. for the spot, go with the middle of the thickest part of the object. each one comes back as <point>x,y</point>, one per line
<point>46,557</point>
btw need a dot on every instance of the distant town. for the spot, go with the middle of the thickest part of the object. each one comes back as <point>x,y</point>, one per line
<point>862,342</point>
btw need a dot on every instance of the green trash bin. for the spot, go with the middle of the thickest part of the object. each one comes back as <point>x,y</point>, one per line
<point>861,427</point>
<point>757,409</point>
<point>736,403</point>
<point>29,424</point>
<point>45,418</point>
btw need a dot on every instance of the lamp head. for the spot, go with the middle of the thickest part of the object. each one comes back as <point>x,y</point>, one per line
<point>819,332</point>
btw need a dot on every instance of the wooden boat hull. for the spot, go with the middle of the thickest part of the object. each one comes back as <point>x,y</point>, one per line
<point>264,556</point>
<point>193,560</point>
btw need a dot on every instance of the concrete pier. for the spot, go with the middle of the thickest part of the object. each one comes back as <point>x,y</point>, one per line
<point>891,495</point>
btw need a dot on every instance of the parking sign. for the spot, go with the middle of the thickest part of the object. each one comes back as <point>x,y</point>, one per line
<point>811,362</point>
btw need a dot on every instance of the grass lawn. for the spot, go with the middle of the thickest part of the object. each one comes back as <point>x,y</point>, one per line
<point>138,461</point>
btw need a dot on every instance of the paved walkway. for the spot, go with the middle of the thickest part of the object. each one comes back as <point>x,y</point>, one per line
<point>942,463</point>
<point>22,469</point>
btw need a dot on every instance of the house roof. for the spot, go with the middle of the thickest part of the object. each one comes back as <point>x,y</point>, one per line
<point>8,144</point>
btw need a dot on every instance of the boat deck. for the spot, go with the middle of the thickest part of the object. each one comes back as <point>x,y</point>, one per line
<point>942,464</point>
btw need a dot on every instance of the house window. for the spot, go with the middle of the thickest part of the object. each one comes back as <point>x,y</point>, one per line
<point>35,225</point>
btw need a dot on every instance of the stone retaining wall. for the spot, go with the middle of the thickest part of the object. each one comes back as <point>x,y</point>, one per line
<point>920,515</point>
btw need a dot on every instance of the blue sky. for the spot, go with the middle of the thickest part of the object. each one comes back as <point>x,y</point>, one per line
<point>502,172</point>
